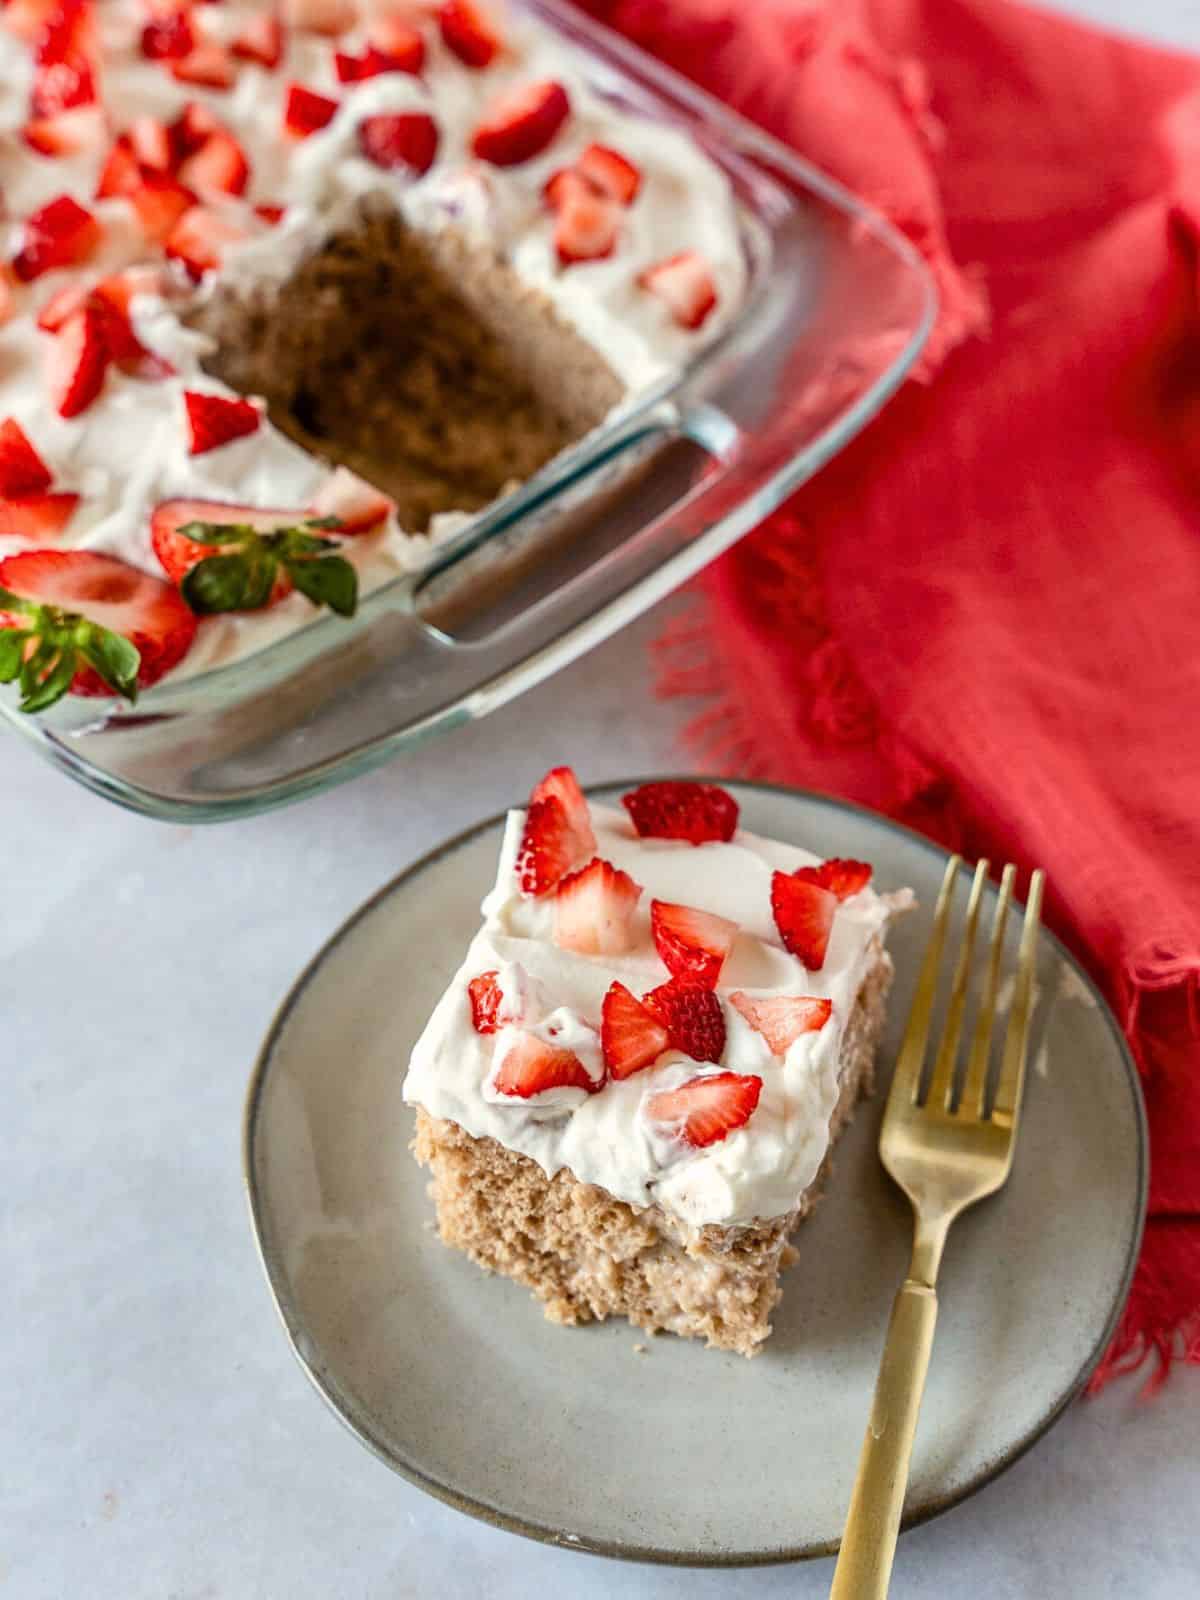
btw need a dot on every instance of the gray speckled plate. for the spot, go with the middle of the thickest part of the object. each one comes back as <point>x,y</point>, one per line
<point>678,1453</point>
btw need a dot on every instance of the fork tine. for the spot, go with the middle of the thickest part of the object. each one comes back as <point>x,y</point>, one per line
<point>906,1080</point>
<point>941,1082</point>
<point>1016,1035</point>
<point>974,1093</point>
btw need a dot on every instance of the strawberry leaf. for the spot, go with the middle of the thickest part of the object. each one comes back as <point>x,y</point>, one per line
<point>243,576</point>
<point>44,656</point>
<point>330,581</point>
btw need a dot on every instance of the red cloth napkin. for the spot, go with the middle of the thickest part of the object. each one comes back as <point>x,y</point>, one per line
<point>984,616</point>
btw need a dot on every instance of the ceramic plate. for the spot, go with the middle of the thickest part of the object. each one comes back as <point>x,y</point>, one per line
<point>673,1452</point>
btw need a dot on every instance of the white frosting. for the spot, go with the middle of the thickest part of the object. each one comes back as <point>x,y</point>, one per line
<point>129,450</point>
<point>758,1171</point>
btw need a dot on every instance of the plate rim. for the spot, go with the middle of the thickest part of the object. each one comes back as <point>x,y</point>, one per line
<point>544,1533</point>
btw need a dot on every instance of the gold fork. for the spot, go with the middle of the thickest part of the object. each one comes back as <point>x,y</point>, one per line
<point>945,1153</point>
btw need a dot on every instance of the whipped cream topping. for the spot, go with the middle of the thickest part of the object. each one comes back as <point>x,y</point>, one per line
<point>129,450</point>
<point>756,1172</point>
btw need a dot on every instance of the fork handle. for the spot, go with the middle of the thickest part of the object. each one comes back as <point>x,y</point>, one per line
<point>864,1565</point>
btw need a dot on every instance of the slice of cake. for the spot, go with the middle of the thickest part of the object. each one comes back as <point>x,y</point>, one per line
<point>628,1094</point>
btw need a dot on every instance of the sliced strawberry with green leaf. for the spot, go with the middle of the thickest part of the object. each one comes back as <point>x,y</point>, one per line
<point>78,621</point>
<point>59,234</point>
<point>781,1019</point>
<point>704,1110</point>
<point>672,809</point>
<point>691,1015</point>
<point>242,558</point>
<point>804,913</point>
<point>530,1066</point>
<point>840,876</point>
<point>631,1037</point>
<point>521,123</point>
<point>593,909</point>
<point>693,944</point>
<point>470,31</point>
<point>22,470</point>
<point>399,140</point>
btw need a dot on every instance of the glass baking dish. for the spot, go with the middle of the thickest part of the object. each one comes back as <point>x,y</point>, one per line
<point>838,307</point>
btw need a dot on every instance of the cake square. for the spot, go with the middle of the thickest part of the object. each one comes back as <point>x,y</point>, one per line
<point>628,1094</point>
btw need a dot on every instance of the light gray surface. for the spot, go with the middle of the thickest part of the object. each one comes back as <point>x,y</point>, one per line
<point>158,1440</point>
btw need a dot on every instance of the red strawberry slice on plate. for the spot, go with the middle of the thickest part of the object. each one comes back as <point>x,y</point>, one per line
<point>781,1019</point>
<point>693,944</point>
<point>168,37</point>
<point>67,133</point>
<point>804,914</point>
<point>587,223</point>
<point>521,123</point>
<point>306,112</point>
<point>486,999</point>
<point>531,1066</point>
<point>610,173</point>
<point>692,1017</point>
<point>109,593</point>
<point>261,40</point>
<point>631,1037</point>
<point>470,31</point>
<point>209,65</point>
<point>59,234</point>
<point>77,361</point>
<point>22,470</point>
<point>593,910</point>
<point>219,166</point>
<point>705,1110</point>
<point>698,812</point>
<point>397,140</point>
<point>178,554</point>
<point>841,877</point>
<point>358,506</point>
<point>214,420</point>
<point>36,517</point>
<point>684,283</point>
<point>198,239</point>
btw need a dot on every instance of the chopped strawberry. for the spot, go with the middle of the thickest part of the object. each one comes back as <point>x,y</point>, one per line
<point>218,167</point>
<point>64,303</point>
<point>705,1110</point>
<point>22,470</point>
<point>396,42</point>
<point>192,128</point>
<point>587,224</point>
<point>113,595</point>
<point>150,143</point>
<point>208,65</point>
<point>804,916</point>
<point>358,506</point>
<point>261,40</point>
<point>161,203</point>
<point>470,31</point>
<point>521,123</point>
<point>593,909</point>
<point>562,784</point>
<point>610,172</point>
<point>178,554</point>
<point>781,1019</point>
<point>36,517</point>
<point>214,420</point>
<point>550,847</point>
<point>112,297</point>
<point>62,85</point>
<point>77,362</point>
<point>684,283</point>
<point>28,18</point>
<point>68,133</point>
<point>168,37</point>
<point>530,1066</point>
<point>197,240</point>
<point>66,32</point>
<point>8,299</point>
<point>399,139</point>
<point>120,174</point>
<point>486,1000</point>
<point>60,234</point>
<point>841,877</point>
<point>630,1036</point>
<point>269,214</point>
<point>671,809</point>
<point>329,17</point>
<point>306,112</point>
<point>693,944</point>
<point>691,1015</point>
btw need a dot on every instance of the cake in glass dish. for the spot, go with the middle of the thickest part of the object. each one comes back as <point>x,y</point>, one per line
<point>628,1094</point>
<point>289,293</point>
